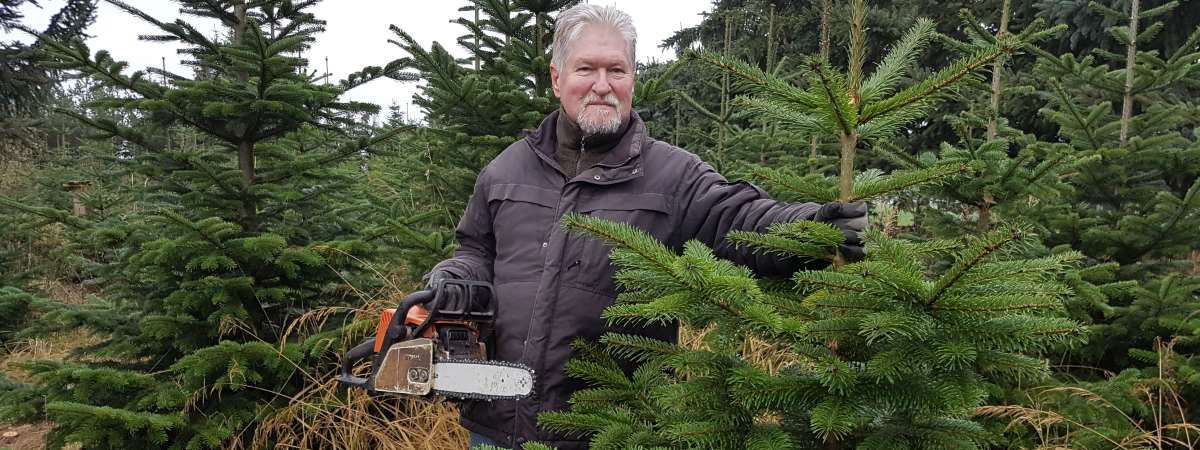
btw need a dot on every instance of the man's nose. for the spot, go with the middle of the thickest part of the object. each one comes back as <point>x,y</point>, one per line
<point>602,86</point>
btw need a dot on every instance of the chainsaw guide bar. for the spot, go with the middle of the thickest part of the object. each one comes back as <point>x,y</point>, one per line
<point>482,380</point>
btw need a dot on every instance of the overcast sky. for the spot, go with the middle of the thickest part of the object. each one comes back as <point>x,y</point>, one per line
<point>356,34</point>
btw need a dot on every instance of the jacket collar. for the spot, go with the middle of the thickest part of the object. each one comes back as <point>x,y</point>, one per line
<point>622,163</point>
<point>570,136</point>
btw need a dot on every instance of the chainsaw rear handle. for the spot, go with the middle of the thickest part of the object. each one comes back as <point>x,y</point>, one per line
<point>395,331</point>
<point>356,354</point>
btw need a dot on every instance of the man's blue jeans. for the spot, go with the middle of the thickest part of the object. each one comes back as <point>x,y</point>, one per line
<point>479,439</point>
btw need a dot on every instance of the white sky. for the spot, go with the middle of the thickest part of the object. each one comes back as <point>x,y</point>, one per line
<point>356,35</point>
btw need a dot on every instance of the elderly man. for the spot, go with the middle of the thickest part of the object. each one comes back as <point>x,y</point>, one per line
<point>593,156</point>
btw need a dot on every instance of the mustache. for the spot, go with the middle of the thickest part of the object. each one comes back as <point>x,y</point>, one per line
<point>610,99</point>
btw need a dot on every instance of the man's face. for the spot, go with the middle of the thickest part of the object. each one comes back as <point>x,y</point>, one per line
<point>595,86</point>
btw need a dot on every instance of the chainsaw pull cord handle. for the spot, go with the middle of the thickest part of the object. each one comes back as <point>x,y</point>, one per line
<point>367,347</point>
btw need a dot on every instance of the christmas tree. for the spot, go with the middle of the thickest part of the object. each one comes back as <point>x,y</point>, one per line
<point>239,238</point>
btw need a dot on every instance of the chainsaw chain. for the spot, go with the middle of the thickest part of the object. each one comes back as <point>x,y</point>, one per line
<point>482,362</point>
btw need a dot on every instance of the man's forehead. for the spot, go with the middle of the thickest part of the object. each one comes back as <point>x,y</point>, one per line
<point>583,54</point>
<point>599,44</point>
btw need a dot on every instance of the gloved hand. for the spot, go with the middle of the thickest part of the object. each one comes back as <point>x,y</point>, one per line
<point>432,279</point>
<point>436,275</point>
<point>851,218</point>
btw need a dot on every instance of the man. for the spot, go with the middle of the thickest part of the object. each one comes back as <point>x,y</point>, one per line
<point>592,156</point>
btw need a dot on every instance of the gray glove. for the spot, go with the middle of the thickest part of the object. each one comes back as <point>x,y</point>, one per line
<point>851,218</point>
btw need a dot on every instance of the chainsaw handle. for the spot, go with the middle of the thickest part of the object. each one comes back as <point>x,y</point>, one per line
<point>356,354</point>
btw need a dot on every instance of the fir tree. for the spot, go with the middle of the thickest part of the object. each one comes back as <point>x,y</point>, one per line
<point>241,234</point>
<point>857,108</point>
<point>887,356</point>
<point>1136,201</point>
<point>26,85</point>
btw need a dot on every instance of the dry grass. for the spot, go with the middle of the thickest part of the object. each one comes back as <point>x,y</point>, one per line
<point>55,348</point>
<point>66,293</point>
<point>759,353</point>
<point>327,415</point>
<point>1166,428</point>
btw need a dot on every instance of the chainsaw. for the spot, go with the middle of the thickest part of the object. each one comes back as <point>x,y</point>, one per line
<point>440,350</point>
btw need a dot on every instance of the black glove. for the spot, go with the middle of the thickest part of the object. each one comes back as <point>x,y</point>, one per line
<point>453,296</point>
<point>437,275</point>
<point>851,218</point>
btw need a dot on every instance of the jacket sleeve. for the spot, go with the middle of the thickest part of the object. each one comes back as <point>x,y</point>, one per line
<point>476,253</point>
<point>712,207</point>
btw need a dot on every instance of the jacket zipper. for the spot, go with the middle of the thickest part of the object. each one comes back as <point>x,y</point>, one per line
<point>582,150</point>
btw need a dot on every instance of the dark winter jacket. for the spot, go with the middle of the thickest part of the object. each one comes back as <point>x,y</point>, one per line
<point>551,285</point>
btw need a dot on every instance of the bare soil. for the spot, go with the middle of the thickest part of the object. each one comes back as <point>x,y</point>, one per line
<point>24,437</point>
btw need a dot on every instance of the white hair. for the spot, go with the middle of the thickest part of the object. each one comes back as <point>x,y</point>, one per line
<point>570,24</point>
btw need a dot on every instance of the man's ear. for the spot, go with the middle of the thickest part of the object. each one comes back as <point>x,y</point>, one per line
<point>554,79</point>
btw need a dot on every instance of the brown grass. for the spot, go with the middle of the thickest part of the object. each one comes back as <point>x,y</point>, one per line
<point>327,415</point>
<point>1166,428</point>
<point>756,351</point>
<point>55,348</point>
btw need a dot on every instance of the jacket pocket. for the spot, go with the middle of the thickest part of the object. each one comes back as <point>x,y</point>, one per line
<point>589,264</point>
<point>626,202</point>
<point>524,193</point>
<point>521,216</point>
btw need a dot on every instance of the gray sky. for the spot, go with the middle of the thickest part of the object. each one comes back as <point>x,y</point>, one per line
<point>356,34</point>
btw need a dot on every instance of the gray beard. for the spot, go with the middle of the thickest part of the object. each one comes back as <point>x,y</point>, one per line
<point>591,125</point>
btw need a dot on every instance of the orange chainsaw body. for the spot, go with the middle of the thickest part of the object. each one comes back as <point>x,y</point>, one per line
<point>417,316</point>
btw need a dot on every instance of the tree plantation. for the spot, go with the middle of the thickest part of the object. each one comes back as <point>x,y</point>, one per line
<point>185,255</point>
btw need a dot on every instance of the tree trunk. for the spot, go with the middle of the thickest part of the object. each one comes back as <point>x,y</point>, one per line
<point>762,154</point>
<point>993,125</point>
<point>476,39</point>
<point>249,207</point>
<point>858,49</point>
<point>1130,57</point>
<point>849,140</point>
<point>722,130</point>
<point>678,123</point>
<point>539,84</point>
<point>846,167</point>
<point>826,12</point>
<point>985,214</point>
